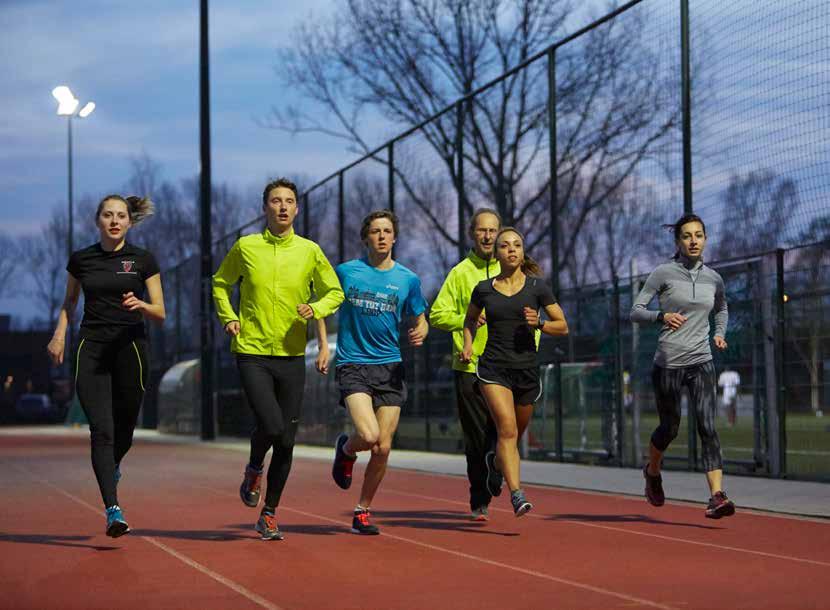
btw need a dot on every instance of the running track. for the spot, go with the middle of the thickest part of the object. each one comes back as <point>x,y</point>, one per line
<point>193,546</point>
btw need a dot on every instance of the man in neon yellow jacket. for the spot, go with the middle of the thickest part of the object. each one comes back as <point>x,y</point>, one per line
<point>277,270</point>
<point>447,313</point>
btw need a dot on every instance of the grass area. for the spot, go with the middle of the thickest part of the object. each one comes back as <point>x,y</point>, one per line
<point>808,438</point>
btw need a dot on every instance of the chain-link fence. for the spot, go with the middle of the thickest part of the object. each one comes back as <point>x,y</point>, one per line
<point>599,119</point>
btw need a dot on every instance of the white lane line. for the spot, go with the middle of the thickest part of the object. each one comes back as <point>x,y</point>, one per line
<point>260,601</point>
<point>563,581</point>
<point>629,531</point>
<point>250,595</point>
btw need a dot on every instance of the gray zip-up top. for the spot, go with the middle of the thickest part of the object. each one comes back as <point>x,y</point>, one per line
<point>693,292</point>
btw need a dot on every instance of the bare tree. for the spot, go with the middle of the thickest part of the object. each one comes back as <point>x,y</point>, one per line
<point>44,259</point>
<point>407,60</point>
<point>9,263</point>
<point>811,286</point>
<point>764,206</point>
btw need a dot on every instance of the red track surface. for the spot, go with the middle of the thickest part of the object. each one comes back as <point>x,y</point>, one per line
<point>193,546</point>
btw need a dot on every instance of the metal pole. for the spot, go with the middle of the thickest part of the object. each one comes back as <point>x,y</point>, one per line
<point>341,218</point>
<point>459,160</point>
<point>391,174</point>
<point>558,414</point>
<point>781,369</point>
<point>205,310</point>
<point>686,95</point>
<point>554,179</point>
<point>618,373</point>
<point>70,245</point>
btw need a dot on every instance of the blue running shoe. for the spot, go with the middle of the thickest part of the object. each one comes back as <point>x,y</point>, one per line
<point>116,525</point>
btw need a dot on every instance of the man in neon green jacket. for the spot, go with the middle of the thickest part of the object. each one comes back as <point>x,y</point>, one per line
<point>277,270</point>
<point>447,313</point>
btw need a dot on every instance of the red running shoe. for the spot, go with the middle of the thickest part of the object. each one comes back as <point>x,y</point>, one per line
<point>361,525</point>
<point>654,488</point>
<point>267,527</point>
<point>249,490</point>
<point>719,506</point>
<point>341,470</point>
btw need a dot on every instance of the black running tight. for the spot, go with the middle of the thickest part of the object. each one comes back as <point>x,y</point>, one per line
<point>274,388</point>
<point>110,378</point>
<point>700,381</point>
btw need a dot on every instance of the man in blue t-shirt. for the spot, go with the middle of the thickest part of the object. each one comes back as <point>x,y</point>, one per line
<point>379,293</point>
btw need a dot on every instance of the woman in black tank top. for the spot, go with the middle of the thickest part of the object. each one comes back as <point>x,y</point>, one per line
<point>508,371</point>
<point>111,366</point>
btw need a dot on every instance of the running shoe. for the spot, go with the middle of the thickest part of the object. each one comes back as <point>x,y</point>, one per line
<point>480,513</point>
<point>249,490</point>
<point>341,470</point>
<point>267,527</point>
<point>654,488</point>
<point>520,503</point>
<point>116,525</point>
<point>361,525</point>
<point>494,477</point>
<point>720,506</point>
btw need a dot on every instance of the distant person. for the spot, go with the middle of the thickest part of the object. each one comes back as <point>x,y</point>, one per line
<point>729,381</point>
<point>276,270</point>
<point>687,291</point>
<point>447,313</point>
<point>380,294</point>
<point>112,360</point>
<point>508,369</point>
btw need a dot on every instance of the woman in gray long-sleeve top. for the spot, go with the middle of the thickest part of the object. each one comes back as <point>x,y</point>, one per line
<point>687,291</point>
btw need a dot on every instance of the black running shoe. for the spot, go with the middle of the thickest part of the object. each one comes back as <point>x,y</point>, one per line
<point>267,527</point>
<point>654,488</point>
<point>520,503</point>
<point>116,524</point>
<point>341,470</point>
<point>361,525</point>
<point>494,477</point>
<point>249,490</point>
<point>720,506</point>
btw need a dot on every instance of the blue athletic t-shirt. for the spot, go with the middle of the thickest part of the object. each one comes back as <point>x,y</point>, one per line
<point>370,317</point>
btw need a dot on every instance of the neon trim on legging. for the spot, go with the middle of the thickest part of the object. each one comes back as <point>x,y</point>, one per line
<point>140,368</point>
<point>78,360</point>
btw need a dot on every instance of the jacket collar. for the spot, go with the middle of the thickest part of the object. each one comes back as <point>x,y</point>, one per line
<point>479,262</point>
<point>274,239</point>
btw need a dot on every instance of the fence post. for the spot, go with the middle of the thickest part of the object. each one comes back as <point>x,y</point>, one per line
<point>554,179</point>
<point>459,172</point>
<point>686,103</point>
<point>306,218</point>
<point>618,427</point>
<point>780,368</point>
<point>558,414</point>
<point>391,175</point>
<point>341,218</point>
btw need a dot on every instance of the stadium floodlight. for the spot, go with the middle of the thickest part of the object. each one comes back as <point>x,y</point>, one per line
<point>68,106</point>
<point>87,110</point>
<point>67,103</point>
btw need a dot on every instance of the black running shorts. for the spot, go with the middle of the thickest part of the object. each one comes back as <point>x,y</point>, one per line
<point>383,382</point>
<point>524,383</point>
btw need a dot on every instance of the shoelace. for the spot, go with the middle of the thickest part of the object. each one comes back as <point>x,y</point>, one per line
<point>363,518</point>
<point>270,521</point>
<point>253,479</point>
